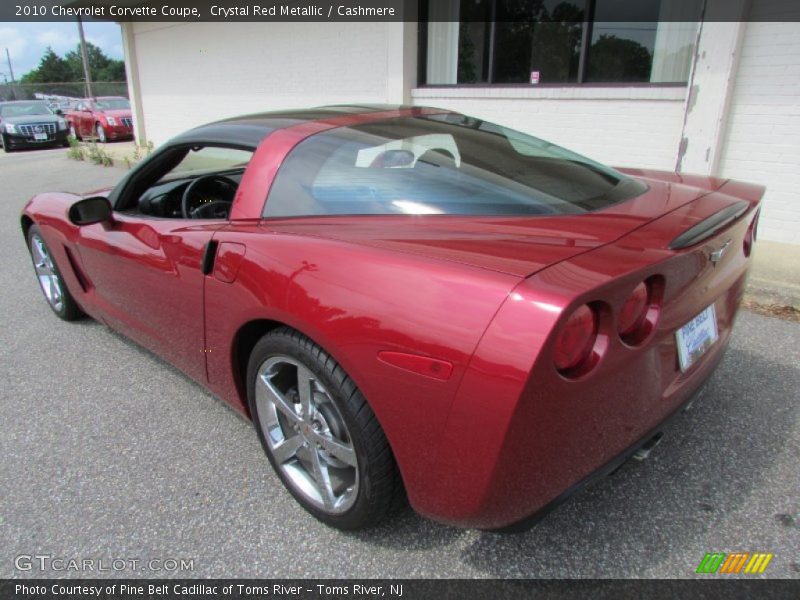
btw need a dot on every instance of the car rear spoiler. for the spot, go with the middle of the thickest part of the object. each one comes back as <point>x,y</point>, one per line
<point>709,226</point>
<point>744,196</point>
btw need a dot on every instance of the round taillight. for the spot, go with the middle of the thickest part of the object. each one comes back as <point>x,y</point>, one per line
<point>576,339</point>
<point>634,311</point>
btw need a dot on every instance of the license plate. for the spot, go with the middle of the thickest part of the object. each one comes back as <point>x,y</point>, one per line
<point>697,336</point>
<point>40,136</point>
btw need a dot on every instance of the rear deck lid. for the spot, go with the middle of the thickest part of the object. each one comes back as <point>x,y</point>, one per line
<point>518,246</point>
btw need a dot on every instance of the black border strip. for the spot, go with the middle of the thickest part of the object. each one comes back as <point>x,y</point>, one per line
<point>709,226</point>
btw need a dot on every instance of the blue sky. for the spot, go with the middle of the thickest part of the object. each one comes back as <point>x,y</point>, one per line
<point>26,42</point>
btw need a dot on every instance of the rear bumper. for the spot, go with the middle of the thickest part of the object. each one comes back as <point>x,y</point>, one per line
<point>520,437</point>
<point>527,522</point>
<point>554,445</point>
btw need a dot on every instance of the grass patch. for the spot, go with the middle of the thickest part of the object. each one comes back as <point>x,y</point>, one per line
<point>98,155</point>
<point>89,151</point>
<point>76,151</point>
<point>140,151</point>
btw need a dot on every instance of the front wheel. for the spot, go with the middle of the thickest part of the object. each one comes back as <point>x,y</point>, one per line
<point>73,132</point>
<point>47,272</point>
<point>319,433</point>
<point>5,143</point>
<point>101,134</point>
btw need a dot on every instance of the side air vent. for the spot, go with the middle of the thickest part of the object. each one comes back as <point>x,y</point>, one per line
<point>79,274</point>
<point>708,227</point>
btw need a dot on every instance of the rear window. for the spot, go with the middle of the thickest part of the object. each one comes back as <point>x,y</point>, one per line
<point>112,104</point>
<point>440,164</point>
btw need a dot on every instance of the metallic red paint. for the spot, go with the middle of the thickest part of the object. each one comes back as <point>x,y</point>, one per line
<point>422,365</point>
<point>503,435</point>
<point>85,121</point>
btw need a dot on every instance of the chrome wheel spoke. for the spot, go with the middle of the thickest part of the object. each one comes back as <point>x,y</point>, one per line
<point>322,477</point>
<point>54,292</point>
<point>41,253</point>
<point>287,449</point>
<point>344,453</point>
<point>270,393</point>
<point>305,389</point>
<point>305,433</point>
<point>46,273</point>
<point>42,268</point>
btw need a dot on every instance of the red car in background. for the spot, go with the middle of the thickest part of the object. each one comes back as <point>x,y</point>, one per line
<point>105,117</point>
<point>410,300</point>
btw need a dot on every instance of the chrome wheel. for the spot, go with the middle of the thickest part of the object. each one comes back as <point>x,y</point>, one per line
<point>46,273</point>
<point>101,133</point>
<point>72,131</point>
<point>306,434</point>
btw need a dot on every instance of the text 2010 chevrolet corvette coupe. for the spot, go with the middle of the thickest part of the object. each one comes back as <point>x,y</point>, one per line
<point>409,301</point>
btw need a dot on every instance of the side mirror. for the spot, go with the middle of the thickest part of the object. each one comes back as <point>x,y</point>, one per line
<point>58,111</point>
<point>91,210</point>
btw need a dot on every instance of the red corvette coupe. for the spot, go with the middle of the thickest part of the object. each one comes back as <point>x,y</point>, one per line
<point>410,301</point>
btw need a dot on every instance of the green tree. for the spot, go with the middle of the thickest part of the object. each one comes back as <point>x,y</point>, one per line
<point>114,71</point>
<point>619,59</point>
<point>52,68</point>
<point>101,67</point>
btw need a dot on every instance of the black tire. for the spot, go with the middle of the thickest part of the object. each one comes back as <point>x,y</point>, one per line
<point>68,309</point>
<point>100,132</point>
<point>380,490</point>
<point>5,142</point>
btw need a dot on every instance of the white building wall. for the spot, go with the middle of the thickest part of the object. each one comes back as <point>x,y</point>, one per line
<point>621,126</point>
<point>191,74</point>
<point>762,140</point>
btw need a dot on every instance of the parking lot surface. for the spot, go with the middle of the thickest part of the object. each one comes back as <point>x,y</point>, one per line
<point>109,453</point>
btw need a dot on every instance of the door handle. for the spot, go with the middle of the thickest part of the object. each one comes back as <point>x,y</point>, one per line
<point>209,254</point>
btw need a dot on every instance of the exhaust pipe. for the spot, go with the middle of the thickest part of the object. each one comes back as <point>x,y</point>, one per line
<point>644,451</point>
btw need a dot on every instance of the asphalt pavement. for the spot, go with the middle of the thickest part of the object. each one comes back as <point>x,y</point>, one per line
<point>109,453</point>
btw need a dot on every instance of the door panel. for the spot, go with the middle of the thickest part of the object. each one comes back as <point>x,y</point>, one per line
<point>148,283</point>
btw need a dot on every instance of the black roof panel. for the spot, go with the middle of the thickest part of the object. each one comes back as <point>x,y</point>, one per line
<point>249,130</point>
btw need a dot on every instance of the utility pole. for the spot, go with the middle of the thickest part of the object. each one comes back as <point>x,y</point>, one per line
<point>10,70</point>
<point>85,56</point>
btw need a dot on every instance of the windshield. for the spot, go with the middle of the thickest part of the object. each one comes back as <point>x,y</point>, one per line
<point>112,104</point>
<point>442,164</point>
<point>24,109</point>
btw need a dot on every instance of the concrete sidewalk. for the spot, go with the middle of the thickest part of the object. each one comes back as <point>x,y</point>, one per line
<point>775,274</point>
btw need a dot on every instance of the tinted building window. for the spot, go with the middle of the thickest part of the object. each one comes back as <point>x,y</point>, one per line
<point>508,42</point>
<point>542,39</point>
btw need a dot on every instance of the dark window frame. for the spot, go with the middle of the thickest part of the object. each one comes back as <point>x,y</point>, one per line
<point>583,65</point>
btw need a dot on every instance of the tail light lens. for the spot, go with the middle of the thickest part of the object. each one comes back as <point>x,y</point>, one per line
<point>633,311</point>
<point>750,236</point>
<point>576,339</point>
<point>640,312</point>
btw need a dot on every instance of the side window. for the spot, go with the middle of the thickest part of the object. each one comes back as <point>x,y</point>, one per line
<point>209,159</point>
<point>198,182</point>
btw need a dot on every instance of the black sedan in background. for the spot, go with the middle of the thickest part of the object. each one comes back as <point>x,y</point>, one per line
<point>30,123</point>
